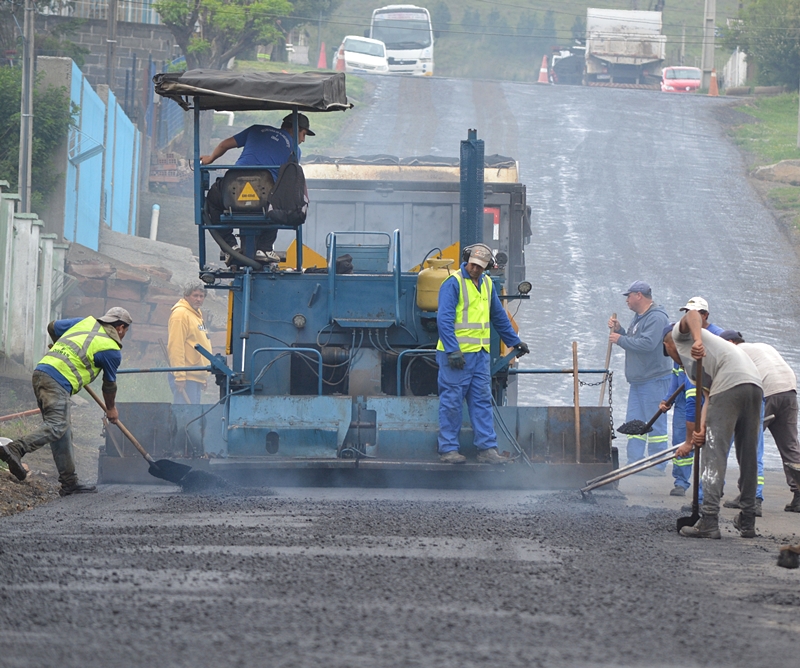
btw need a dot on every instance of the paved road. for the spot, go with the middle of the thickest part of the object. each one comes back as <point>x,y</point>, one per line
<point>624,185</point>
<point>147,577</point>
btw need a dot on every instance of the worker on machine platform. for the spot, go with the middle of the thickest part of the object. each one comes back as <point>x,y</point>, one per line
<point>468,304</point>
<point>82,347</point>
<point>263,145</point>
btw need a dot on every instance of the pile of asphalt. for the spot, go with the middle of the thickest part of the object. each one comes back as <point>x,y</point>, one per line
<point>139,576</point>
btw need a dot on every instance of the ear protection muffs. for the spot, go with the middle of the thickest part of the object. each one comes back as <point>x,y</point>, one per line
<point>492,260</point>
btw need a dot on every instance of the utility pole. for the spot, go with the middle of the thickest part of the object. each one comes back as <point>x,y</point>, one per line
<point>26,109</point>
<point>710,19</point>
<point>683,46</point>
<point>111,43</point>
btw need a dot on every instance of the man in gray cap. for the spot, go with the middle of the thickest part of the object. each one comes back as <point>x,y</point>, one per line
<point>646,369</point>
<point>262,145</point>
<point>82,347</point>
<point>468,304</point>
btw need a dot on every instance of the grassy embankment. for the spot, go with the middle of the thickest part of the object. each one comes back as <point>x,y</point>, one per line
<point>770,139</point>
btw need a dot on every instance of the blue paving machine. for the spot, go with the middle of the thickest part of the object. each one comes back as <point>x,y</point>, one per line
<point>330,372</point>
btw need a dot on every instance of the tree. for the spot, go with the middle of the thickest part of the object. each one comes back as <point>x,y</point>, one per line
<point>578,29</point>
<point>305,12</point>
<point>441,18</point>
<point>769,33</point>
<point>211,32</point>
<point>52,119</point>
<point>52,42</point>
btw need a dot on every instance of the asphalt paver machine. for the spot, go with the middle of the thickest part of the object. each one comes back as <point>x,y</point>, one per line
<point>330,369</point>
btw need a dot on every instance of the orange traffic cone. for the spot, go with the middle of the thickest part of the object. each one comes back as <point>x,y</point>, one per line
<point>322,63</point>
<point>713,89</point>
<point>543,78</point>
<point>340,64</point>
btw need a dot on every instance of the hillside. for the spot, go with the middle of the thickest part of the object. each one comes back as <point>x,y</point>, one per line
<point>506,40</point>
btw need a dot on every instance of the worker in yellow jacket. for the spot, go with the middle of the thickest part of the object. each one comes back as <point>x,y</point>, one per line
<point>186,329</point>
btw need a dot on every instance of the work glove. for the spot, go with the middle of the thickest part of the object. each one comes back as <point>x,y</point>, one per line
<point>522,347</point>
<point>456,360</point>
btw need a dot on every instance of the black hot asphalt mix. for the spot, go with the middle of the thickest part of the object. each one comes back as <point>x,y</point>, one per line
<point>148,577</point>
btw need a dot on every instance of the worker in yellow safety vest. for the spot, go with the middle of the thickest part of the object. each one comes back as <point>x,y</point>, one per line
<point>82,348</point>
<point>468,308</point>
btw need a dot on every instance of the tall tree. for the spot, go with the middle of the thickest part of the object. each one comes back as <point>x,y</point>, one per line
<point>211,32</point>
<point>769,33</point>
<point>441,18</point>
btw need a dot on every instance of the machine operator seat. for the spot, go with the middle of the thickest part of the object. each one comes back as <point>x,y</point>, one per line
<point>251,197</point>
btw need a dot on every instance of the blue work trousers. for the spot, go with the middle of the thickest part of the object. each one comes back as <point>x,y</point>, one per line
<point>681,467</point>
<point>643,402</point>
<point>473,384</point>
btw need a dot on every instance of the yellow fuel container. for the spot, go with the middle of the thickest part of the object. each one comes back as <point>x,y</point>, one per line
<point>430,280</point>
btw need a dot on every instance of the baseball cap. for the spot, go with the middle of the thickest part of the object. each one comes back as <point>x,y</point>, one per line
<point>480,255</point>
<point>696,304</point>
<point>116,314</point>
<point>639,286</point>
<point>302,123</point>
<point>731,335</point>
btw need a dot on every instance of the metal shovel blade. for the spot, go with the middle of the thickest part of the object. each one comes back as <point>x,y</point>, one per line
<point>169,471</point>
<point>634,428</point>
<point>689,521</point>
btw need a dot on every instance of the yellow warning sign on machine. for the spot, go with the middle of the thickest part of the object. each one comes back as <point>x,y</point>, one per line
<point>248,194</point>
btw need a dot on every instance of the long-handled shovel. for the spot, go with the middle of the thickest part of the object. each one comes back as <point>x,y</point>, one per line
<point>692,519</point>
<point>637,427</point>
<point>179,474</point>
<point>608,361</point>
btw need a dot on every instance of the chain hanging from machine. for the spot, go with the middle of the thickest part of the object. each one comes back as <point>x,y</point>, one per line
<point>610,398</point>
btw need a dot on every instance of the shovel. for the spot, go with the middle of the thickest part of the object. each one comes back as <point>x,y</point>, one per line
<point>692,519</point>
<point>637,427</point>
<point>163,468</point>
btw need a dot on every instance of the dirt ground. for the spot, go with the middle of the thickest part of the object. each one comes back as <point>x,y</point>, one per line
<point>42,485</point>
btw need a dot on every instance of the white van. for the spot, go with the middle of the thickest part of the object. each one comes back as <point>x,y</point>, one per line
<point>362,55</point>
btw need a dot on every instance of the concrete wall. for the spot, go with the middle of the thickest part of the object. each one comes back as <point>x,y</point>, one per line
<point>31,279</point>
<point>144,40</point>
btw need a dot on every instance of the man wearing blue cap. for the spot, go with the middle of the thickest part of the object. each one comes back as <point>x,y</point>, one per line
<point>646,369</point>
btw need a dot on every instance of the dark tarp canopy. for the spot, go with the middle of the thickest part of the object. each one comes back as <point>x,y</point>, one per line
<point>255,91</point>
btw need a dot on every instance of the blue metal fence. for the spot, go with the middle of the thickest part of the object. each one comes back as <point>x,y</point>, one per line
<point>102,172</point>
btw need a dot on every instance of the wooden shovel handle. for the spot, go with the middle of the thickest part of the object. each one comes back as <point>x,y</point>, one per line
<point>121,426</point>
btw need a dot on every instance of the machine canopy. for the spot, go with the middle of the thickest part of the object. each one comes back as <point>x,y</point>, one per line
<point>255,91</point>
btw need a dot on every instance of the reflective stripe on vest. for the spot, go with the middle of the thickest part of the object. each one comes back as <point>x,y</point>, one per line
<point>73,354</point>
<point>472,325</point>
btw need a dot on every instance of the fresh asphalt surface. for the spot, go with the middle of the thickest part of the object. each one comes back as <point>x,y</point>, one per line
<point>624,185</point>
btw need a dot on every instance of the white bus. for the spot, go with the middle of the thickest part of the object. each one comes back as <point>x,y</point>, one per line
<point>407,32</point>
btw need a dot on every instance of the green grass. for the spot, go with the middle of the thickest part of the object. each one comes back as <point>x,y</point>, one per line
<point>774,136</point>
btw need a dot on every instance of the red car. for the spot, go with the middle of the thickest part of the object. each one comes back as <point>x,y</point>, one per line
<point>681,79</point>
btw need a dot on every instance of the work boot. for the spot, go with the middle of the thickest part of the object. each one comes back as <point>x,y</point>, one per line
<point>733,503</point>
<point>227,256</point>
<point>452,457</point>
<point>794,505</point>
<point>491,456</point>
<point>677,491</point>
<point>736,502</point>
<point>267,257</point>
<point>746,525</point>
<point>76,488</point>
<point>14,462</point>
<point>706,527</point>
